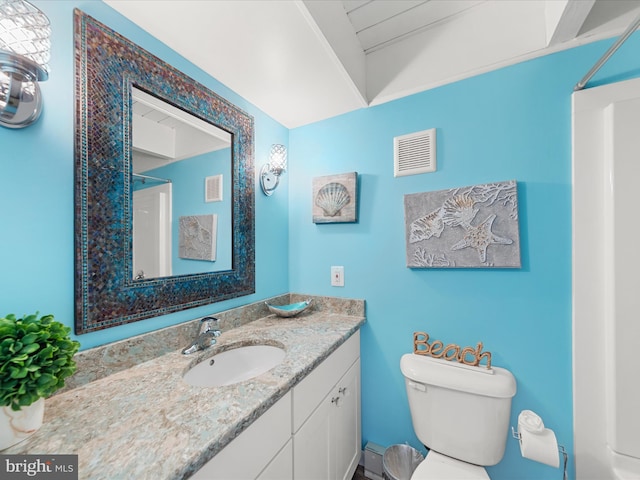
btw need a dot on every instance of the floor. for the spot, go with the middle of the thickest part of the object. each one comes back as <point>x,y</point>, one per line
<point>359,474</point>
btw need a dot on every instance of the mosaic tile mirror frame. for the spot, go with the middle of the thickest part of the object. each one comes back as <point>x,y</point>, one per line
<point>107,65</point>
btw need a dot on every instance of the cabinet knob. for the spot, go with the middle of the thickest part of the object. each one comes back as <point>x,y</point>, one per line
<point>342,390</point>
<point>335,400</point>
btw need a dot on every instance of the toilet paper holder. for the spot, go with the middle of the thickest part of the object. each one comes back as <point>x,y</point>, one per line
<point>516,434</point>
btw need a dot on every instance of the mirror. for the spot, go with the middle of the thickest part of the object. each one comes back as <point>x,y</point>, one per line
<point>115,81</point>
<point>181,166</point>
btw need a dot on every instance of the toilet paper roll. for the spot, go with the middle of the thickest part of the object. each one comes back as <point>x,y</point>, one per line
<point>540,446</point>
<point>528,420</point>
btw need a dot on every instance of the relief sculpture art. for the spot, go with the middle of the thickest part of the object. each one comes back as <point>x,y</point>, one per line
<point>469,227</point>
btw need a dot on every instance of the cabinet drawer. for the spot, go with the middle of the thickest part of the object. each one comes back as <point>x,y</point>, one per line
<point>308,394</point>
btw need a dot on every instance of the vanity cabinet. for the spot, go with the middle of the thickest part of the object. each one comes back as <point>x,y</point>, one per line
<point>312,433</point>
<point>326,417</point>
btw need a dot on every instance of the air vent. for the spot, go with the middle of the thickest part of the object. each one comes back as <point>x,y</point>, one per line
<point>414,153</point>
<point>213,189</point>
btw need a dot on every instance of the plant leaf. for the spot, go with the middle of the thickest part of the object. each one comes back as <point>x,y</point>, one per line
<point>30,348</point>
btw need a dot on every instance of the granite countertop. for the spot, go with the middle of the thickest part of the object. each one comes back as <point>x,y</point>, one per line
<point>146,422</point>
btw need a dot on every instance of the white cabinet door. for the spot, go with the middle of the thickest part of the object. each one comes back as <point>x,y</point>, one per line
<point>281,467</point>
<point>312,445</point>
<point>345,424</point>
<point>327,446</point>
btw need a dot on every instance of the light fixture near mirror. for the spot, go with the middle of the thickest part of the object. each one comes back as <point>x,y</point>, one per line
<point>108,68</point>
<point>271,171</point>
<point>24,54</point>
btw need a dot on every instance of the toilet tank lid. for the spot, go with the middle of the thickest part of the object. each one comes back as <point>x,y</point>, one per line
<point>431,371</point>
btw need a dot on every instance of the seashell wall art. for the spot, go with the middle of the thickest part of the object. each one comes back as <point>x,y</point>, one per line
<point>465,227</point>
<point>335,198</point>
<point>197,237</point>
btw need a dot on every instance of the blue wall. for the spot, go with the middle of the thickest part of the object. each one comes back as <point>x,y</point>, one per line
<point>37,204</point>
<point>514,123</point>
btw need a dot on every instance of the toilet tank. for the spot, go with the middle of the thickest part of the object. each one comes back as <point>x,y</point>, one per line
<point>459,411</point>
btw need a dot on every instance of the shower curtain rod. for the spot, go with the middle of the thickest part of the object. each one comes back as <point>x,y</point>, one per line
<point>148,177</point>
<point>627,33</point>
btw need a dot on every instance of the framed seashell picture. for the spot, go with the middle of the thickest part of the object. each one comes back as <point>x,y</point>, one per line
<point>197,237</point>
<point>468,227</point>
<point>335,198</point>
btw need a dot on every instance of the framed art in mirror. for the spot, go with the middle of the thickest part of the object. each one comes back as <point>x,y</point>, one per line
<point>108,67</point>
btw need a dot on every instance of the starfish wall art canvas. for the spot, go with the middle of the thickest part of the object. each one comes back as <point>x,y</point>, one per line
<point>467,227</point>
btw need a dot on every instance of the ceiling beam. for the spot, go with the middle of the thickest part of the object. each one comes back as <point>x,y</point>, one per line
<point>334,29</point>
<point>564,19</point>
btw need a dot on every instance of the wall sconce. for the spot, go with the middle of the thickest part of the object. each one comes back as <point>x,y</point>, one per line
<point>270,172</point>
<point>24,53</point>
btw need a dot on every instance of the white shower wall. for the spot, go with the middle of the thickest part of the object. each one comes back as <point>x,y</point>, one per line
<point>622,268</point>
<point>606,263</point>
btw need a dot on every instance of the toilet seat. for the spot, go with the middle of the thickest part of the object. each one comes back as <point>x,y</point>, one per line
<point>436,466</point>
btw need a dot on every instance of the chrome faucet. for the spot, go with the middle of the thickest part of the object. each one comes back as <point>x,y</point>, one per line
<point>206,336</point>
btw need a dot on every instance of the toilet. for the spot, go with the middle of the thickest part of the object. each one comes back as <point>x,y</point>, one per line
<point>460,413</point>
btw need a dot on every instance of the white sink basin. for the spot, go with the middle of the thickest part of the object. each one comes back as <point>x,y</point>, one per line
<point>233,366</point>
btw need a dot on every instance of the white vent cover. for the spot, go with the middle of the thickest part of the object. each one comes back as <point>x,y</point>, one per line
<point>414,153</point>
<point>213,189</point>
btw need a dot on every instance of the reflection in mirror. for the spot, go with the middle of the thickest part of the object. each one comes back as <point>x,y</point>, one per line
<point>215,193</point>
<point>174,152</point>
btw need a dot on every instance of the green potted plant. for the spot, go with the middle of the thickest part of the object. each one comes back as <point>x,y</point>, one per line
<point>36,355</point>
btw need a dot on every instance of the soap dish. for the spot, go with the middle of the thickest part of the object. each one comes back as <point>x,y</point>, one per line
<point>290,310</point>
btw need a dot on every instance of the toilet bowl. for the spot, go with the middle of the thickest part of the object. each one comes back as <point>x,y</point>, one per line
<point>436,466</point>
<point>460,414</point>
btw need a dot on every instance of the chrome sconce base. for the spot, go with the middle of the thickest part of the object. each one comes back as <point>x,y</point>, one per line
<point>269,181</point>
<point>20,97</point>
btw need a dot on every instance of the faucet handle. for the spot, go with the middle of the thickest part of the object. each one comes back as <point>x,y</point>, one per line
<point>208,323</point>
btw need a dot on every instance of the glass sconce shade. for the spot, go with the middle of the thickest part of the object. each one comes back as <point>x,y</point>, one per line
<point>278,159</point>
<point>270,172</point>
<point>25,30</point>
<point>24,57</point>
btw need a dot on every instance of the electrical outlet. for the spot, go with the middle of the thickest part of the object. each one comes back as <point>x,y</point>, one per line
<point>337,276</point>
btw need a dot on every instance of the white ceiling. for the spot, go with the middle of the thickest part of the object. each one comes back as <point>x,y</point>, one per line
<point>301,61</point>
